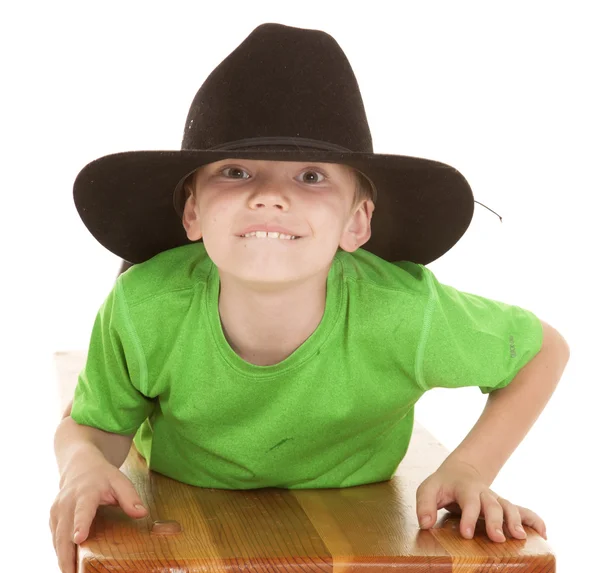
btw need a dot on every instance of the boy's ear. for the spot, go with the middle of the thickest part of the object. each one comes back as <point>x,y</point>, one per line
<point>358,228</point>
<point>190,219</point>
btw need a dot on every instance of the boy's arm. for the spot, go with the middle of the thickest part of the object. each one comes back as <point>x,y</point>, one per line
<point>73,440</point>
<point>510,412</point>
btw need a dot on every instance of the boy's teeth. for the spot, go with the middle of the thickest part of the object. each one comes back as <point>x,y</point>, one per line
<point>270,235</point>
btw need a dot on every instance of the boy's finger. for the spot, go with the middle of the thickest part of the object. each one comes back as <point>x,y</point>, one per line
<point>66,553</point>
<point>426,506</point>
<point>533,520</point>
<point>494,517</point>
<point>128,498</point>
<point>536,523</point>
<point>471,509</point>
<point>512,519</point>
<point>84,514</point>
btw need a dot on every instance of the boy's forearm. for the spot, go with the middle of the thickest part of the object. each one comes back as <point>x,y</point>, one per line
<point>74,443</point>
<point>511,411</point>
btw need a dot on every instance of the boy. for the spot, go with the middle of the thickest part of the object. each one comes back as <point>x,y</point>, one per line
<point>277,352</point>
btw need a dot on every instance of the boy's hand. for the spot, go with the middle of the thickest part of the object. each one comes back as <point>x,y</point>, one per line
<point>87,485</point>
<point>459,488</point>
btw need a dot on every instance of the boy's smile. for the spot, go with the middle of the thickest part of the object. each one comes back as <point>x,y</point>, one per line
<point>270,231</point>
<point>269,235</point>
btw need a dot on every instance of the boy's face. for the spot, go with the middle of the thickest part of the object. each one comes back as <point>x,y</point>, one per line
<point>312,201</point>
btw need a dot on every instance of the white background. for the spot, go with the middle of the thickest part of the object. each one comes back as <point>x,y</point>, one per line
<point>505,92</point>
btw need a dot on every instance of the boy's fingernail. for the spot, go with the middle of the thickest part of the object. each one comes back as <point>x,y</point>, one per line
<point>500,532</point>
<point>139,507</point>
<point>425,521</point>
<point>521,530</point>
<point>75,536</point>
<point>469,532</point>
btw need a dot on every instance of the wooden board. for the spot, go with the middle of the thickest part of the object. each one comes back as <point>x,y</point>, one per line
<point>340,530</point>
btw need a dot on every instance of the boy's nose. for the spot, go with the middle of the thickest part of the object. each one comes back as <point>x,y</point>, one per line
<point>271,195</point>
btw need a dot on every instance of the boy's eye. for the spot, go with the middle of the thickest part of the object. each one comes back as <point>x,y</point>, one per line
<point>235,171</point>
<point>314,176</point>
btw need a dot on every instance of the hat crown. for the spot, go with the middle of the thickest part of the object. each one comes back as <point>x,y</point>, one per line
<point>281,82</point>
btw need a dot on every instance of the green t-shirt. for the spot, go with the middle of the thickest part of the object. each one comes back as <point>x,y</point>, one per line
<point>337,412</point>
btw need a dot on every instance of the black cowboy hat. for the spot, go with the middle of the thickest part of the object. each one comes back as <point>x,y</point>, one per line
<point>284,94</point>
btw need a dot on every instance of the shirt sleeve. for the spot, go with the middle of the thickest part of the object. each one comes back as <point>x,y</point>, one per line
<point>469,340</point>
<point>110,389</point>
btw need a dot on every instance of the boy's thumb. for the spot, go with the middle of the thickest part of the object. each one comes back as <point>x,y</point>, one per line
<point>130,502</point>
<point>426,505</point>
<point>135,509</point>
<point>139,508</point>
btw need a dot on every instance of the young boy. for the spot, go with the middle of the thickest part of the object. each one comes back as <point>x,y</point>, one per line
<point>278,352</point>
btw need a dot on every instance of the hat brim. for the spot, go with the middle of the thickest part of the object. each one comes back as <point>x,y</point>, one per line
<point>423,207</point>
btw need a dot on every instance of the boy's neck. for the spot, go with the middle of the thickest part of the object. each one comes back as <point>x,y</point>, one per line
<point>265,327</point>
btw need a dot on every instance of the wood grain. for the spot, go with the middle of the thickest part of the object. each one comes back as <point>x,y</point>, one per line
<point>340,530</point>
